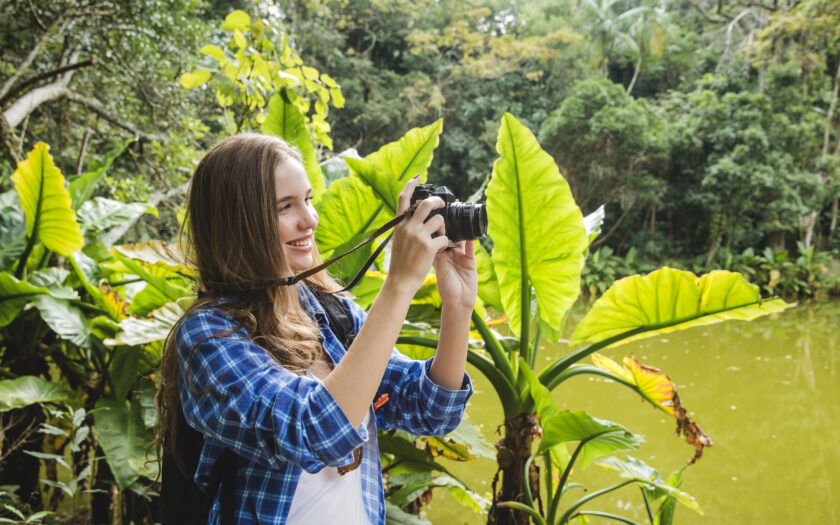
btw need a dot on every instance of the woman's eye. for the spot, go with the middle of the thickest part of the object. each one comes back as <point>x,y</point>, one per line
<point>284,207</point>
<point>309,199</point>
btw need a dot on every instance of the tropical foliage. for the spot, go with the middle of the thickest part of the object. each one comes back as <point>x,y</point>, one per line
<point>659,144</point>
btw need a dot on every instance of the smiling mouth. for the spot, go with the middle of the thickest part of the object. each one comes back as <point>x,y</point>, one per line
<point>299,243</point>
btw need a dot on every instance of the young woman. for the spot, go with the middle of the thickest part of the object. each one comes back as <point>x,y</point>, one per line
<point>257,369</point>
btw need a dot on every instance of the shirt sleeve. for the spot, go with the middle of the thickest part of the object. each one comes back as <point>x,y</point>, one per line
<point>416,404</point>
<point>241,397</point>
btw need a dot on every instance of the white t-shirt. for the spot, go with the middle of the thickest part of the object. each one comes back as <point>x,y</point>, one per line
<point>327,497</point>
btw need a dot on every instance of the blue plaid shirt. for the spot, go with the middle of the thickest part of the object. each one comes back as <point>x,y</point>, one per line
<point>279,423</point>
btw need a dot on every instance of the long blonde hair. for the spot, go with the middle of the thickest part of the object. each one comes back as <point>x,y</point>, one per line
<point>230,235</point>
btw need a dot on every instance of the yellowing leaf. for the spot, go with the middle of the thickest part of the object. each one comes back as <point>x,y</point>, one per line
<point>215,52</point>
<point>658,390</point>
<point>237,21</point>
<point>240,39</point>
<point>666,300</point>
<point>46,202</point>
<point>194,79</point>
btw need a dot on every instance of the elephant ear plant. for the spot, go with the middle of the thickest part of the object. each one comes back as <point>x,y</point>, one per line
<point>532,275</point>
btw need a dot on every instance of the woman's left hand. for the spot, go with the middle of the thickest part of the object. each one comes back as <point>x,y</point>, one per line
<point>457,277</point>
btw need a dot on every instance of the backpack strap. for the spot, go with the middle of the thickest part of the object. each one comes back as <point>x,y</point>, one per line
<point>224,473</point>
<point>338,316</point>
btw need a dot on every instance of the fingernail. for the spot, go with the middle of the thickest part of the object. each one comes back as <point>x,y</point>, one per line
<point>417,176</point>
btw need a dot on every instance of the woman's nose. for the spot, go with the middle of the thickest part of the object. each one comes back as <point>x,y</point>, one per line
<point>308,219</point>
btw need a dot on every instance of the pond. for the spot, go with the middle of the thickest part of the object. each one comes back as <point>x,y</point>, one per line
<point>768,394</point>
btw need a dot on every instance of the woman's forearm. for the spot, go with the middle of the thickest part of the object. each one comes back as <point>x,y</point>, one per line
<point>447,368</point>
<point>354,382</point>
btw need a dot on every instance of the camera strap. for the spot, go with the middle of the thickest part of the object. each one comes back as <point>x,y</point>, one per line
<point>288,281</point>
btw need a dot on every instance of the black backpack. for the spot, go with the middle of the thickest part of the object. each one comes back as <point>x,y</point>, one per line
<point>182,503</point>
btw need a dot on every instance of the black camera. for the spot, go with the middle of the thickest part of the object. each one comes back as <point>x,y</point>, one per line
<point>462,220</point>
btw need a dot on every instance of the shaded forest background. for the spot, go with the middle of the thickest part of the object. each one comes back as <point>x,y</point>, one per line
<point>709,130</point>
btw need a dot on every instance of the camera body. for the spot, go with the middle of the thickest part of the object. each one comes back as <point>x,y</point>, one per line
<point>462,220</point>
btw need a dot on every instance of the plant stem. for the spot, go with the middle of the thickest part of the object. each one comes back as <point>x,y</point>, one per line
<point>494,348</point>
<point>524,508</point>
<point>525,321</point>
<point>555,501</point>
<point>605,515</point>
<point>582,501</point>
<point>536,347</point>
<point>647,504</point>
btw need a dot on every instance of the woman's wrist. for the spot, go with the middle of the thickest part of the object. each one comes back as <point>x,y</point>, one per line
<point>398,289</point>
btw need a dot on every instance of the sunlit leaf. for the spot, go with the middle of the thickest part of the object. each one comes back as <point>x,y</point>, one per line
<point>389,168</point>
<point>488,283</point>
<point>667,299</point>
<point>46,202</point>
<point>353,207</point>
<point>28,390</point>
<point>536,227</point>
<point>215,52</point>
<point>237,20</point>
<point>193,79</point>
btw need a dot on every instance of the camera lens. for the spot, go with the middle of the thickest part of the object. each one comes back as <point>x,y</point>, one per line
<point>465,221</point>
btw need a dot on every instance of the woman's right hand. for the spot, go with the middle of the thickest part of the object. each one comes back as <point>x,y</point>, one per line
<point>414,248</point>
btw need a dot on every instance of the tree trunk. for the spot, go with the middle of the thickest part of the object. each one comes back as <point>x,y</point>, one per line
<point>636,69</point>
<point>514,449</point>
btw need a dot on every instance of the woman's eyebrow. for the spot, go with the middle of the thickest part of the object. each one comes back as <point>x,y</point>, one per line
<point>290,197</point>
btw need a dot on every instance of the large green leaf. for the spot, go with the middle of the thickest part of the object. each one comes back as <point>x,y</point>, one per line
<point>536,227</point>
<point>158,253</point>
<point>15,294</point>
<point>135,331</point>
<point>599,437</point>
<point>649,478</point>
<point>348,212</point>
<point>12,229</point>
<point>27,390</point>
<point>488,283</point>
<point>158,277</point>
<point>46,203</point>
<point>389,168</point>
<point>123,435</point>
<point>353,207</point>
<point>64,319</point>
<point>100,213</point>
<point>667,299</point>
<point>285,120</point>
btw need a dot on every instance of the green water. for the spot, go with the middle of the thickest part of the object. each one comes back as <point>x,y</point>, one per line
<point>768,394</point>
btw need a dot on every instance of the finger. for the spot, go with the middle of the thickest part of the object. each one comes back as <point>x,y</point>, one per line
<point>434,224</point>
<point>404,200</point>
<point>426,206</point>
<point>460,248</point>
<point>440,243</point>
<point>469,249</point>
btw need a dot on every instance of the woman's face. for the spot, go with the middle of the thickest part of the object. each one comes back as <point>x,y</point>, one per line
<point>296,217</point>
